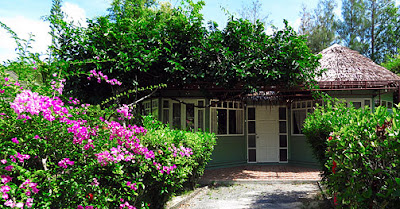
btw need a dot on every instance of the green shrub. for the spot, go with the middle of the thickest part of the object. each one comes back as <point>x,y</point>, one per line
<point>58,153</point>
<point>361,157</point>
<point>169,144</point>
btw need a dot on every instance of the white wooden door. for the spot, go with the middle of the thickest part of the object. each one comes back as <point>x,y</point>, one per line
<point>267,134</point>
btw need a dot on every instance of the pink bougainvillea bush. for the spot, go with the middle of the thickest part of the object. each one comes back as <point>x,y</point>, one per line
<point>58,153</point>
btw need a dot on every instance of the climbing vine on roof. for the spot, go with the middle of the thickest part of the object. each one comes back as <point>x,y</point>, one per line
<point>142,43</point>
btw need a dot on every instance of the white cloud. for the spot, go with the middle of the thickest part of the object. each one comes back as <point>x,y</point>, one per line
<point>296,24</point>
<point>74,13</point>
<point>23,26</point>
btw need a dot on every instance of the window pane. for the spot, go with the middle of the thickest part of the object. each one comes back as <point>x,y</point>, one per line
<point>251,127</point>
<point>230,105</point>
<point>189,116</point>
<point>298,118</point>
<point>252,141</point>
<point>200,120</point>
<point>367,103</point>
<point>252,155</point>
<point>200,104</point>
<point>251,114</point>
<point>303,104</point>
<point>166,116</point>
<point>239,121</point>
<point>309,104</point>
<point>282,141</point>
<point>357,105</point>
<point>176,114</point>
<point>214,120</point>
<point>222,120</point>
<point>282,154</point>
<point>384,103</point>
<point>165,104</point>
<point>232,122</point>
<point>282,126</point>
<point>282,113</point>
<point>389,105</point>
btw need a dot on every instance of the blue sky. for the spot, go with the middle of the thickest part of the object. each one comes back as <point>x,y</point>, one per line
<point>24,16</point>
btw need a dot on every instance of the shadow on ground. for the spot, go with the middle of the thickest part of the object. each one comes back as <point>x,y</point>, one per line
<point>289,200</point>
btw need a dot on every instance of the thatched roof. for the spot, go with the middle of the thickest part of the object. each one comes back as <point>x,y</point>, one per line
<point>347,68</point>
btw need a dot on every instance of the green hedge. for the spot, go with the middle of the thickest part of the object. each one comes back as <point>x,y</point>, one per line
<point>360,152</point>
<point>58,154</point>
<point>161,138</point>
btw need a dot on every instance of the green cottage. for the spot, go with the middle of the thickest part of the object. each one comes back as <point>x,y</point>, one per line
<point>265,127</point>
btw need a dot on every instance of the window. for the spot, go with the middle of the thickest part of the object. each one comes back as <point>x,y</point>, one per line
<point>358,102</point>
<point>151,107</point>
<point>227,117</point>
<point>165,112</point>
<point>187,114</point>
<point>384,103</point>
<point>299,113</point>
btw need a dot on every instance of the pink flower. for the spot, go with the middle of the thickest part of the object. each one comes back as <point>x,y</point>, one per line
<point>10,203</point>
<point>2,91</point>
<point>9,168</point>
<point>15,140</point>
<point>5,189</point>
<point>36,137</point>
<point>64,162</point>
<point>6,79</point>
<point>80,207</point>
<point>29,202</point>
<point>3,161</point>
<point>5,179</point>
<point>19,205</point>
<point>95,182</point>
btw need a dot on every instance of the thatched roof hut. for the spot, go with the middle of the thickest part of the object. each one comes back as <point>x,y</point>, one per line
<point>346,68</point>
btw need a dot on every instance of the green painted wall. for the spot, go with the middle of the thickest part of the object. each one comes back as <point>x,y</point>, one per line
<point>300,151</point>
<point>230,150</point>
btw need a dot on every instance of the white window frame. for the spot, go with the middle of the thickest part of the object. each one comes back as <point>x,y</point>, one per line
<point>150,107</point>
<point>220,105</point>
<point>183,103</point>
<point>298,105</point>
<point>362,100</point>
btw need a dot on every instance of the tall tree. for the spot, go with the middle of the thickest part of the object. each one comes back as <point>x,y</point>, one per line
<point>382,21</point>
<point>319,25</point>
<point>306,21</point>
<point>352,27</point>
<point>370,27</point>
<point>254,12</point>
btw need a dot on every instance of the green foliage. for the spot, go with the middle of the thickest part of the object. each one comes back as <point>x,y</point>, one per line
<point>161,138</point>
<point>83,136</point>
<point>351,29</point>
<point>145,43</point>
<point>361,154</point>
<point>319,25</point>
<point>392,64</point>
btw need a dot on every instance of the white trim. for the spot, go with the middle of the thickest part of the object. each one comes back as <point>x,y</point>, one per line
<point>284,134</point>
<point>278,134</point>
<point>298,105</point>
<point>247,133</point>
<point>240,107</point>
<point>183,112</point>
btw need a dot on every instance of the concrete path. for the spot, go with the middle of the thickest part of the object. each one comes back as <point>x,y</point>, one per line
<point>271,196</point>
